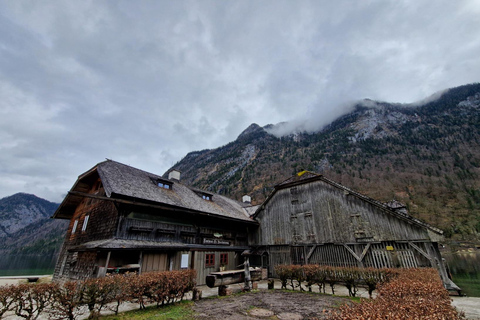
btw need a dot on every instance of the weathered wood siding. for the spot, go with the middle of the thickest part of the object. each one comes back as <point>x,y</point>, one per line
<point>101,224</point>
<point>76,266</point>
<point>203,270</point>
<point>136,229</point>
<point>102,220</point>
<point>317,212</point>
<point>154,262</point>
<point>389,254</point>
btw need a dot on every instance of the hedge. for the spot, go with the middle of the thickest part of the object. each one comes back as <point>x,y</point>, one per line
<point>412,294</point>
<point>402,293</point>
<point>69,300</point>
<point>294,275</point>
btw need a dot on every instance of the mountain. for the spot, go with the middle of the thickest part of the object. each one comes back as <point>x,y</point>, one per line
<point>26,227</point>
<point>425,155</point>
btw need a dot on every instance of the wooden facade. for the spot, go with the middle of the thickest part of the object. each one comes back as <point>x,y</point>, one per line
<point>309,219</point>
<point>147,227</point>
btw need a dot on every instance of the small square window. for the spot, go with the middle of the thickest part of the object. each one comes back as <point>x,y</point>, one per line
<point>210,260</point>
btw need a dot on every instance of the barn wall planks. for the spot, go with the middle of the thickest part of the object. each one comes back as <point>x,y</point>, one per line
<point>320,213</point>
<point>320,222</point>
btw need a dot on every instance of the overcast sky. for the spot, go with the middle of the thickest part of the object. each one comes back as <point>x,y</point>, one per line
<point>146,82</point>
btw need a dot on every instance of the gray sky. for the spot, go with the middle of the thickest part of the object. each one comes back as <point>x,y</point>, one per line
<point>145,82</point>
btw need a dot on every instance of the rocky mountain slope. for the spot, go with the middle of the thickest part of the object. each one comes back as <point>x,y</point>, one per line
<point>26,227</point>
<point>426,156</point>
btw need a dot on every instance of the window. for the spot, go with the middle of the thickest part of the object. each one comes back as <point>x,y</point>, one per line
<point>184,262</point>
<point>223,259</point>
<point>85,222</point>
<point>210,260</point>
<point>74,226</point>
<point>206,197</point>
<point>164,185</point>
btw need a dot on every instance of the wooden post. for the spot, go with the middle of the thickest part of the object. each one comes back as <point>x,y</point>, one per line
<point>246,265</point>
<point>140,260</point>
<point>106,264</point>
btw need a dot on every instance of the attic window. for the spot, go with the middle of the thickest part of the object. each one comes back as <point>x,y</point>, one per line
<point>164,184</point>
<point>204,195</point>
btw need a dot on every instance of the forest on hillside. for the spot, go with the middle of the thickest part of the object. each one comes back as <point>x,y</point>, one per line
<point>427,157</point>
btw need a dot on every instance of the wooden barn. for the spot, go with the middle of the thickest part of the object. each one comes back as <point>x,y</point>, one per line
<point>309,219</point>
<point>125,219</point>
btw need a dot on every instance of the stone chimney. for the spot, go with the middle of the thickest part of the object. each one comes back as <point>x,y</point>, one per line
<point>246,199</point>
<point>174,175</point>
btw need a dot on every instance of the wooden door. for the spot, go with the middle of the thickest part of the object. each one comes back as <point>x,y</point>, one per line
<point>154,262</point>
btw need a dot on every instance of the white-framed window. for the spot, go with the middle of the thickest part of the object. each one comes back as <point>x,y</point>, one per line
<point>75,224</point>
<point>184,264</point>
<point>85,222</point>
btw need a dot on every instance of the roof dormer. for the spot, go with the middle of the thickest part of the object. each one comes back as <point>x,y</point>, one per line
<point>162,183</point>
<point>205,195</point>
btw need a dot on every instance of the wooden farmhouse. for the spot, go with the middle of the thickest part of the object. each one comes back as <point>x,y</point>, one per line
<point>125,219</point>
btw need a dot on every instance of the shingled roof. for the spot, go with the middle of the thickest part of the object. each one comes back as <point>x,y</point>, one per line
<point>121,181</point>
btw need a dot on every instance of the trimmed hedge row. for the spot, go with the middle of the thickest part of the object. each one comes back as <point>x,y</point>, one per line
<point>295,275</point>
<point>71,299</point>
<point>412,294</point>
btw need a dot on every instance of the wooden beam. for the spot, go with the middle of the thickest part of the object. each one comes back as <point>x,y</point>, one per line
<point>310,253</point>
<point>423,253</point>
<point>353,253</point>
<point>365,251</point>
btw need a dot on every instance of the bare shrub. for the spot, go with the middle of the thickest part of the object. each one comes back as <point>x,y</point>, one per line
<point>66,300</point>
<point>30,300</point>
<point>6,299</point>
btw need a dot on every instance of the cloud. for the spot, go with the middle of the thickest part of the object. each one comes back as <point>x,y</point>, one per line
<point>147,82</point>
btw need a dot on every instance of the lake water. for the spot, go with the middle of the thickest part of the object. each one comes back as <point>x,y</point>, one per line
<point>465,269</point>
<point>27,264</point>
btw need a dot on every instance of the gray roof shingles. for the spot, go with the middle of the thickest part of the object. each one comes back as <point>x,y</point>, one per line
<point>124,180</point>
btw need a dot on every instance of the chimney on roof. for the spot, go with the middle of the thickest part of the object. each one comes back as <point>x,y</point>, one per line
<point>174,175</point>
<point>246,199</point>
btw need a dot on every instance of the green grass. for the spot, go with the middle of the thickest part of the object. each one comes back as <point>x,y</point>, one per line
<point>470,286</point>
<point>178,311</point>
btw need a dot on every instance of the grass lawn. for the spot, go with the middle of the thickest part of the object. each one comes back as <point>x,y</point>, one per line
<point>179,311</point>
<point>470,286</point>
